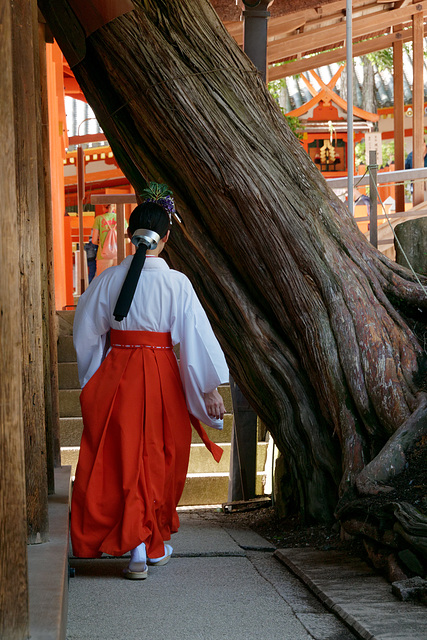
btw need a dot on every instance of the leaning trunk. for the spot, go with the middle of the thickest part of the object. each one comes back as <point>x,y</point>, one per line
<point>311,317</point>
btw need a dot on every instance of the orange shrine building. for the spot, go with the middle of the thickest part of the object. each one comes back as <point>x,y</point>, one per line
<point>324,122</point>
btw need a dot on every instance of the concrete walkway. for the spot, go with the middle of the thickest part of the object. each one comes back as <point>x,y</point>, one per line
<point>225,582</point>
<point>221,584</point>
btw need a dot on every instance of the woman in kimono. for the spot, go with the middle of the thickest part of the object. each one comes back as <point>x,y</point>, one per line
<point>137,405</point>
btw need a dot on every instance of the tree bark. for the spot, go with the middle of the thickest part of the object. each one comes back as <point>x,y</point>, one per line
<point>369,101</point>
<point>309,314</point>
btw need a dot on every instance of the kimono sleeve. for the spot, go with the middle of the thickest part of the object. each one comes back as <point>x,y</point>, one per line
<point>90,332</point>
<point>202,362</point>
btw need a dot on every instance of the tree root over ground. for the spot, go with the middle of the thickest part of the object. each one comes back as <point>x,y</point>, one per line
<point>390,462</point>
<point>393,525</point>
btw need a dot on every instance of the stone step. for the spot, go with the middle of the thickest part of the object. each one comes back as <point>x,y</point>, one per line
<point>69,403</point>
<point>71,429</point>
<point>199,488</point>
<point>68,376</point>
<point>66,351</point>
<point>65,321</point>
<point>201,461</point>
<point>204,489</point>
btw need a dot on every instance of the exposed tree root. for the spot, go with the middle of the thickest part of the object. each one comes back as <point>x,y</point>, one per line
<point>391,459</point>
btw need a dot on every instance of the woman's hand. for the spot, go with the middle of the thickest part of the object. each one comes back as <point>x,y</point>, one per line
<point>214,404</point>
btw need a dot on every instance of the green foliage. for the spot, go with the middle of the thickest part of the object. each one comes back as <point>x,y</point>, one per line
<point>382,59</point>
<point>275,87</point>
<point>388,153</point>
<point>295,125</point>
<point>360,153</point>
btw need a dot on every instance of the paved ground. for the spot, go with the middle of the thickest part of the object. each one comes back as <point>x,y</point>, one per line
<point>361,598</point>
<point>222,583</point>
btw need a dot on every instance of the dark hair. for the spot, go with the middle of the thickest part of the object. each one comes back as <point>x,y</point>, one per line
<point>147,215</point>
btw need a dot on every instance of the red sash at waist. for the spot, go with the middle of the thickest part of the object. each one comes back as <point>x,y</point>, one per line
<point>154,339</point>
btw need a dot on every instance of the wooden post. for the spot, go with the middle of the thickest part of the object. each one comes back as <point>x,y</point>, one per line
<point>80,197</point>
<point>418,104</point>
<point>28,246</point>
<point>43,266</point>
<point>399,133</point>
<point>120,232</point>
<point>13,552</point>
<point>255,20</point>
<point>48,279</point>
<point>373,215</point>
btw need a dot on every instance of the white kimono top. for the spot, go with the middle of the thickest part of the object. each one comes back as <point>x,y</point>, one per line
<point>164,301</point>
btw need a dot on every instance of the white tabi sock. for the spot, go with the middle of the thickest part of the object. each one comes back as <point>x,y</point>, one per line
<point>168,552</point>
<point>138,558</point>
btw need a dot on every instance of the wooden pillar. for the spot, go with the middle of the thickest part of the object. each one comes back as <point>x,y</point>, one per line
<point>121,247</point>
<point>399,133</point>
<point>13,551</point>
<point>53,323</point>
<point>28,247</point>
<point>242,482</point>
<point>80,197</point>
<point>255,19</point>
<point>418,103</point>
<point>50,358</point>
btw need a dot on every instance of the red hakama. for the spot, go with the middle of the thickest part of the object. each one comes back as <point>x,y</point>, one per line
<point>134,451</point>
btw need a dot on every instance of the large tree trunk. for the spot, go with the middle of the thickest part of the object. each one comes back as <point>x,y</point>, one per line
<point>311,317</point>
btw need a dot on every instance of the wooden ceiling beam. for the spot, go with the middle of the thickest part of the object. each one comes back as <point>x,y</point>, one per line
<point>277,27</point>
<point>280,26</point>
<point>338,55</point>
<point>335,34</point>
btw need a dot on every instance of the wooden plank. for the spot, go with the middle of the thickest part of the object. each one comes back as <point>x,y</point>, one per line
<point>24,94</point>
<point>13,552</point>
<point>418,104</point>
<point>334,34</point>
<point>338,55</point>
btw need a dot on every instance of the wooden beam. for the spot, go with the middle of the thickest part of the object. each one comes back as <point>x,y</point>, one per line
<point>277,27</point>
<point>331,84</point>
<point>114,198</point>
<point>338,55</point>
<point>399,133</point>
<point>13,536</point>
<point>332,35</point>
<point>418,105</point>
<point>52,427</point>
<point>327,93</point>
<point>89,137</point>
<point>28,226</point>
<point>296,113</point>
